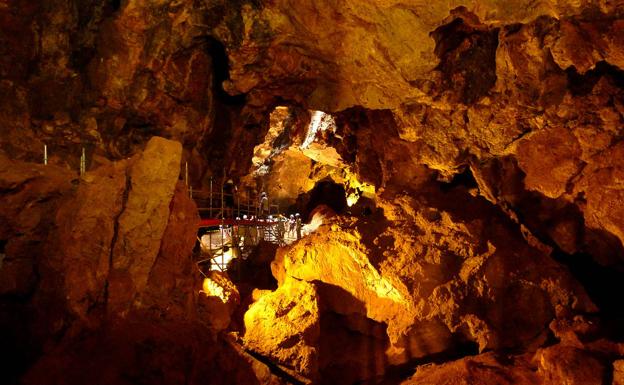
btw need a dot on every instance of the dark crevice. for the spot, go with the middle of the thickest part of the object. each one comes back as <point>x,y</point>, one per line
<point>607,376</point>
<point>221,73</point>
<point>124,201</point>
<point>583,84</point>
<point>464,178</point>
<point>115,5</point>
<point>595,258</point>
<point>525,132</point>
<point>603,285</point>
<point>398,373</point>
<point>3,243</point>
<point>90,16</point>
<point>325,192</point>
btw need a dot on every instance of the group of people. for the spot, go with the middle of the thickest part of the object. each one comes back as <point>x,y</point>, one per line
<point>290,226</point>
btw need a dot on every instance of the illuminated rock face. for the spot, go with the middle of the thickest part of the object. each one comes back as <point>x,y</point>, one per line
<point>284,326</point>
<point>217,301</point>
<point>437,276</point>
<point>484,135</point>
<point>569,362</point>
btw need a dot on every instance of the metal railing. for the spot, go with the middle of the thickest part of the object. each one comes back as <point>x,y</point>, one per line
<point>219,244</point>
<point>216,204</point>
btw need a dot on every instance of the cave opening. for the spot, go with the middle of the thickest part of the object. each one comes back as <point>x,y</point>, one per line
<point>276,140</point>
<point>464,179</point>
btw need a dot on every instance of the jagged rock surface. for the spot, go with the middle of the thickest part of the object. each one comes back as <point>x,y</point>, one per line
<point>437,275</point>
<point>73,320</point>
<point>568,362</point>
<point>284,327</point>
<point>521,102</point>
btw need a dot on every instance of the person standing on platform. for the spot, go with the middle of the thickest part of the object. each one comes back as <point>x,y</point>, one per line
<point>291,226</point>
<point>229,190</point>
<point>298,225</point>
<point>263,205</point>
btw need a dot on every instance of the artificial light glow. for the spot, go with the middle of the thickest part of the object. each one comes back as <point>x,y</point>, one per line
<point>356,189</point>
<point>213,289</point>
<point>220,262</point>
<point>320,121</point>
<point>352,199</point>
<point>265,150</point>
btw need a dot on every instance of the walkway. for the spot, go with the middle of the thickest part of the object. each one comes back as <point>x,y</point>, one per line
<point>231,226</point>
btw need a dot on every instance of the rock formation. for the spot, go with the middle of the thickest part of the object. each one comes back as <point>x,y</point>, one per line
<point>469,153</point>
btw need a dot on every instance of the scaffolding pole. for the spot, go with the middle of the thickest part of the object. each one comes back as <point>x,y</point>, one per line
<point>248,202</point>
<point>83,162</point>
<point>186,178</point>
<point>222,230</point>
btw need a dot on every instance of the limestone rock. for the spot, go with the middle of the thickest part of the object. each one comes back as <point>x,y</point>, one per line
<point>32,306</point>
<point>524,97</point>
<point>549,158</point>
<point>142,222</point>
<point>87,229</point>
<point>432,274</point>
<point>32,194</point>
<point>217,301</point>
<point>600,185</point>
<point>172,277</point>
<point>484,369</point>
<point>290,176</point>
<point>569,365</point>
<point>618,372</point>
<point>331,63</point>
<point>284,327</point>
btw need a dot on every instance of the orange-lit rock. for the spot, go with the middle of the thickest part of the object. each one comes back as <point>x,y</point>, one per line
<point>618,372</point>
<point>563,364</point>
<point>436,277</point>
<point>33,193</point>
<point>217,301</point>
<point>334,46</point>
<point>143,219</point>
<point>482,139</point>
<point>484,369</point>
<point>174,273</point>
<point>291,174</point>
<point>284,326</point>
<point>558,364</point>
<point>88,227</point>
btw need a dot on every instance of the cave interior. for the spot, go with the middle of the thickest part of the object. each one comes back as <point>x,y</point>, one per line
<point>312,192</point>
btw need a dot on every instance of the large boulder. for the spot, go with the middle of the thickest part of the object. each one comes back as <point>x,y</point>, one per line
<point>110,248</point>
<point>284,326</point>
<point>218,300</point>
<point>141,224</point>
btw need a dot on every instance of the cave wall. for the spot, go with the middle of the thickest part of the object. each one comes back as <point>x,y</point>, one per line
<point>490,132</point>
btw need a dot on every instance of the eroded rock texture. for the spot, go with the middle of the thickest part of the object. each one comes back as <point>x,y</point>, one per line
<point>470,150</point>
<point>97,277</point>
